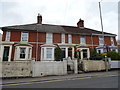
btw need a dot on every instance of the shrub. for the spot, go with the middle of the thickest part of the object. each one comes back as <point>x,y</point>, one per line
<point>95,55</point>
<point>58,54</point>
<point>114,55</point>
<point>75,55</point>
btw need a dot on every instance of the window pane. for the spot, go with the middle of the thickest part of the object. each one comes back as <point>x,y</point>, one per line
<point>49,52</point>
<point>112,41</point>
<point>24,36</point>
<point>49,37</point>
<point>8,36</point>
<point>101,40</point>
<point>29,53</point>
<point>22,53</point>
<point>82,40</point>
<point>69,38</point>
<point>63,38</point>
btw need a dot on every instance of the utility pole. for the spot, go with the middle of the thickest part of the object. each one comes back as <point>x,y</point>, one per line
<point>101,22</point>
<point>106,64</point>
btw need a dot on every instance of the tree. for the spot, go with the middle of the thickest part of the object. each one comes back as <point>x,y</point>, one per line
<point>58,54</point>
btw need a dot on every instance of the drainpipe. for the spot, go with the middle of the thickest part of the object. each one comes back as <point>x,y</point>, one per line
<point>36,43</point>
<point>92,40</point>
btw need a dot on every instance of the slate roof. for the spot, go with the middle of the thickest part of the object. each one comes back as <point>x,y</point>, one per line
<point>54,29</point>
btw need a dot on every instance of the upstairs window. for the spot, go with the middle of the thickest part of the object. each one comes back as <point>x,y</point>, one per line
<point>82,40</point>
<point>7,36</point>
<point>112,41</point>
<point>24,36</point>
<point>49,38</point>
<point>63,38</point>
<point>101,40</point>
<point>69,38</point>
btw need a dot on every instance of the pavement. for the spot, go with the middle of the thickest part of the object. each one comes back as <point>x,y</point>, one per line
<point>63,77</point>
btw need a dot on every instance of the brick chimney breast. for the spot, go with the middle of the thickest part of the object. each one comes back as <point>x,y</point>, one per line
<point>39,19</point>
<point>80,23</point>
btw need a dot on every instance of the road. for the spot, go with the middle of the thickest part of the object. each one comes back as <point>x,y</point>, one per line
<point>110,81</point>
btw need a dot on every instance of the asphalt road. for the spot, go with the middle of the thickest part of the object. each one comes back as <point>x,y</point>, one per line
<point>83,82</point>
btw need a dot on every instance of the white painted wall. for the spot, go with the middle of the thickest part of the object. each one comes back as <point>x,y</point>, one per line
<point>44,68</point>
<point>114,64</point>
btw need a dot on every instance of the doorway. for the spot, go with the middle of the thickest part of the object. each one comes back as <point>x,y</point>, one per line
<point>6,53</point>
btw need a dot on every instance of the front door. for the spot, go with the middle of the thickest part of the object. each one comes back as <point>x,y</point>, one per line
<point>6,53</point>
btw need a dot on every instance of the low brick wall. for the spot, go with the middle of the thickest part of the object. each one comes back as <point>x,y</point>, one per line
<point>16,69</point>
<point>92,65</point>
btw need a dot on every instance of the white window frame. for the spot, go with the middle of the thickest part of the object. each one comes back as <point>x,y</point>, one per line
<point>112,41</point>
<point>49,38</point>
<point>24,36</point>
<point>82,40</point>
<point>44,53</point>
<point>69,38</point>
<point>101,40</point>
<point>2,52</point>
<point>63,38</point>
<point>7,36</point>
<point>17,53</point>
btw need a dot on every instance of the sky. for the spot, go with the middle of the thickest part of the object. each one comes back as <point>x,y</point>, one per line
<point>61,12</point>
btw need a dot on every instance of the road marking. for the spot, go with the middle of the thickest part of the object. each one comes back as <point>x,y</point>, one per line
<point>27,83</point>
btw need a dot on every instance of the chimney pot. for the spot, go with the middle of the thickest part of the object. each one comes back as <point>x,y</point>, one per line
<point>80,23</point>
<point>39,19</point>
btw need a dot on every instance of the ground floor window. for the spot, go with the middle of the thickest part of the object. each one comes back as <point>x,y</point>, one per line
<point>83,53</point>
<point>23,53</point>
<point>47,52</point>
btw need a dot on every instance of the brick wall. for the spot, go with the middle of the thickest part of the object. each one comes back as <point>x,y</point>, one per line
<point>15,36</point>
<point>57,38</point>
<point>88,40</point>
<point>95,40</point>
<point>76,39</point>
<point>107,40</point>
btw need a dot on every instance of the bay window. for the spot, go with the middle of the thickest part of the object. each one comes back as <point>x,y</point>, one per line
<point>23,53</point>
<point>47,52</point>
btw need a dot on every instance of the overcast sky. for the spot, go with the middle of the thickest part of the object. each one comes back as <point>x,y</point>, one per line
<point>61,12</point>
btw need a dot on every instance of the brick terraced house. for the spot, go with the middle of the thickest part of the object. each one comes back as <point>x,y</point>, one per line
<point>38,41</point>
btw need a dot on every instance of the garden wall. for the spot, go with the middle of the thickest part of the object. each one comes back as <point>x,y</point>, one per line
<point>93,65</point>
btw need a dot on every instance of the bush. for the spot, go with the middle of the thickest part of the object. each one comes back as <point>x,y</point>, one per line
<point>58,54</point>
<point>75,55</point>
<point>95,55</point>
<point>114,55</point>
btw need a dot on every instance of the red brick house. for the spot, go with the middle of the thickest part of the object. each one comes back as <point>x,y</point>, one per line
<point>38,41</point>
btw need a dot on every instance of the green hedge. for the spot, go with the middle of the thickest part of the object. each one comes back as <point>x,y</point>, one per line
<point>113,55</point>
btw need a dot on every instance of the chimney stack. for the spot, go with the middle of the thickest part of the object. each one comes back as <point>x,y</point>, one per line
<point>80,23</point>
<point>39,19</point>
